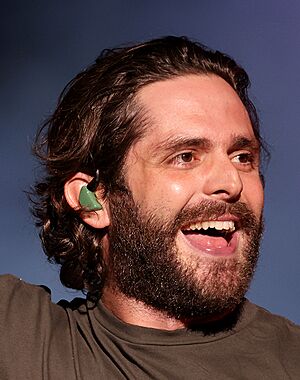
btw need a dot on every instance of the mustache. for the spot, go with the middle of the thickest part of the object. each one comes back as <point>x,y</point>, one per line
<point>205,210</point>
<point>212,210</point>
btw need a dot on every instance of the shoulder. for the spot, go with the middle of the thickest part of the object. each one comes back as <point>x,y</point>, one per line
<point>22,303</point>
<point>10,283</point>
<point>273,327</point>
<point>33,329</point>
<point>27,309</point>
<point>277,321</point>
<point>29,322</point>
<point>17,294</point>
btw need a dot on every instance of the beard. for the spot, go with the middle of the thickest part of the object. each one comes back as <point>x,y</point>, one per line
<point>145,264</point>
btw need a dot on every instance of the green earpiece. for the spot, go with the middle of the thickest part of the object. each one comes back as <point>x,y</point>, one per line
<point>87,197</point>
<point>88,200</point>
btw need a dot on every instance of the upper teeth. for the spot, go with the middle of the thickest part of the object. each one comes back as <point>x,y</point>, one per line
<point>218,225</point>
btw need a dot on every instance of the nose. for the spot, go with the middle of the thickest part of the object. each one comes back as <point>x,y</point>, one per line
<point>223,181</point>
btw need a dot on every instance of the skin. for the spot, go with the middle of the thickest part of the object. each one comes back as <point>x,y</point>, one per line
<point>199,145</point>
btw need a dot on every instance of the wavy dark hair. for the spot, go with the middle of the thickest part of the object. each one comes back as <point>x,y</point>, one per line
<point>95,123</point>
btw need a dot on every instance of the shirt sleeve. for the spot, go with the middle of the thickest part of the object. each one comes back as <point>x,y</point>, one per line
<point>30,324</point>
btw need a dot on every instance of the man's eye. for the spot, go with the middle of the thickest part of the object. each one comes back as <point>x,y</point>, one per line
<point>244,158</point>
<point>184,158</point>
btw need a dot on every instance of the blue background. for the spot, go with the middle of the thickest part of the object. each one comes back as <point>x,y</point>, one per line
<point>44,44</point>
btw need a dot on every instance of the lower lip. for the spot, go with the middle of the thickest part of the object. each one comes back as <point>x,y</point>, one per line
<point>213,246</point>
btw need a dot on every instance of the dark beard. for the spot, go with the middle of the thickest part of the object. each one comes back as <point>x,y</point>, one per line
<point>144,263</point>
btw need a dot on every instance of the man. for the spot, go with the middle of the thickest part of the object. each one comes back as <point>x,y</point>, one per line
<point>152,204</point>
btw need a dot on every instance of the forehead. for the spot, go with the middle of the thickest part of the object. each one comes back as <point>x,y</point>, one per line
<point>203,106</point>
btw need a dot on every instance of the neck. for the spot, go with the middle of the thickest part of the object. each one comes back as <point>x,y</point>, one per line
<point>137,313</point>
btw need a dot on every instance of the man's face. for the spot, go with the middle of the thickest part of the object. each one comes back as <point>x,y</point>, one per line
<point>195,203</point>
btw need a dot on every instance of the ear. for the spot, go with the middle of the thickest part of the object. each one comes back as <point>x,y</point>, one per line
<point>96,219</point>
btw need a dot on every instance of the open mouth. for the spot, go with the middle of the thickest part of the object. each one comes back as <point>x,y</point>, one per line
<point>212,228</point>
<point>213,236</point>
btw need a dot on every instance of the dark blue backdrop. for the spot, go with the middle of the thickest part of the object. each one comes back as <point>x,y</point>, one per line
<point>43,44</point>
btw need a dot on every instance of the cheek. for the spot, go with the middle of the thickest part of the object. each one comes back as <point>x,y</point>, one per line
<point>160,189</point>
<point>176,188</point>
<point>164,192</point>
<point>254,194</point>
<point>174,194</point>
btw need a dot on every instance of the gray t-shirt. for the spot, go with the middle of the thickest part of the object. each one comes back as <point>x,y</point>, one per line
<point>42,340</point>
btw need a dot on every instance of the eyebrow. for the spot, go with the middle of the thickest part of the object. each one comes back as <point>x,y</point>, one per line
<point>242,142</point>
<point>176,143</point>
